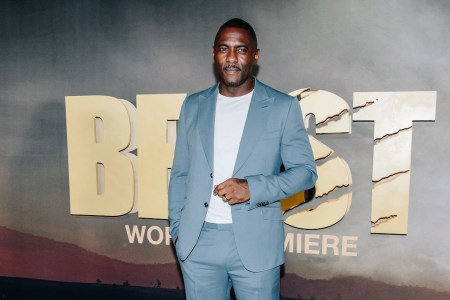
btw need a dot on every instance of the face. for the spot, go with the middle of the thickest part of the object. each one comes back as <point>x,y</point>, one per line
<point>235,54</point>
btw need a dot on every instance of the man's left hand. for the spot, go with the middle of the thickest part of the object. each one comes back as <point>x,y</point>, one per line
<point>233,191</point>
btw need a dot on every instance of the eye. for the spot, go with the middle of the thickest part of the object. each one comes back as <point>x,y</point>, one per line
<point>242,50</point>
<point>223,49</point>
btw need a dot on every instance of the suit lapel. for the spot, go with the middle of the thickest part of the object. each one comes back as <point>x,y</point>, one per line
<point>257,117</point>
<point>205,123</point>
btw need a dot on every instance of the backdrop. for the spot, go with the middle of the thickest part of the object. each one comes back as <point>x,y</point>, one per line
<point>53,49</point>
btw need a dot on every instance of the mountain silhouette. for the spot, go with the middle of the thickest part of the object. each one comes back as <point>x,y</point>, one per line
<point>26,256</point>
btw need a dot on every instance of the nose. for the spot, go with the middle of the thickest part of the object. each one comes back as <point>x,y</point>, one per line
<point>232,56</point>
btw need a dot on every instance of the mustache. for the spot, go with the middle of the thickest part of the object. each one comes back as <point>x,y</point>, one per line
<point>231,67</point>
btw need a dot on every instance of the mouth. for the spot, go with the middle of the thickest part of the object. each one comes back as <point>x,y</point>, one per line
<point>231,68</point>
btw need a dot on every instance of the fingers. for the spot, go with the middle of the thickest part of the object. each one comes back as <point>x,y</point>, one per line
<point>232,191</point>
<point>224,190</point>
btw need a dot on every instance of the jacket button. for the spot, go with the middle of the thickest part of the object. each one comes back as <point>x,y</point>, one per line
<point>211,175</point>
<point>205,204</point>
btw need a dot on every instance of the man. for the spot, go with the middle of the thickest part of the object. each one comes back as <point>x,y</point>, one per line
<point>224,211</point>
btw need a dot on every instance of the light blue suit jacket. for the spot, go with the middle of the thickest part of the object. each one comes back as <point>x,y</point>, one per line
<point>274,134</point>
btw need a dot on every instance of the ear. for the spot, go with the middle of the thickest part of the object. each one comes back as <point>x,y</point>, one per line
<point>257,54</point>
<point>212,51</point>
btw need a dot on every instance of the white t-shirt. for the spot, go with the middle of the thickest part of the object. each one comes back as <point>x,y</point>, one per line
<point>231,114</point>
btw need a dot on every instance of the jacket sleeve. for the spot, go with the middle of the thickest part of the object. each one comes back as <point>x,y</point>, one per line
<point>178,176</point>
<point>298,160</point>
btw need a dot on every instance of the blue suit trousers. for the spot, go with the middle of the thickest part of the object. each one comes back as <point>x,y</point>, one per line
<point>214,266</point>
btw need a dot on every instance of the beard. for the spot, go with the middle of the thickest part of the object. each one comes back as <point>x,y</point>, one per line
<point>233,83</point>
<point>242,75</point>
<point>237,81</point>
